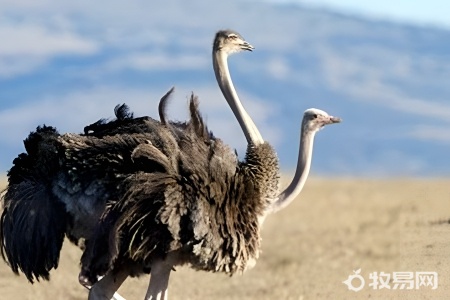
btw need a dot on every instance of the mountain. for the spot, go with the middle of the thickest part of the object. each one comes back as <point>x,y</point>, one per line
<point>68,65</point>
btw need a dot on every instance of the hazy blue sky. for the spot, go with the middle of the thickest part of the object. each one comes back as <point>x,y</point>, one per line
<point>432,12</point>
<point>67,63</point>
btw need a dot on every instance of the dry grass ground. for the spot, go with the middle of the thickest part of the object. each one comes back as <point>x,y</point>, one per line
<point>336,226</point>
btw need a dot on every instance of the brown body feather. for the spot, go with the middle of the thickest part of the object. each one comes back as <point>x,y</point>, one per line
<point>206,211</point>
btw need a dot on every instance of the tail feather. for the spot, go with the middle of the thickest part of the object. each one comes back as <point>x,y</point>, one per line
<point>33,222</point>
<point>163,106</point>
<point>196,122</point>
<point>32,230</point>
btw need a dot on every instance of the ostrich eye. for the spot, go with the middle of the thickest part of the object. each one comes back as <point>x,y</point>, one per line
<point>315,116</point>
<point>232,36</point>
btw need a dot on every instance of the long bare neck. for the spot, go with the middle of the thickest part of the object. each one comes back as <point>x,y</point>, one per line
<point>301,172</point>
<point>223,77</point>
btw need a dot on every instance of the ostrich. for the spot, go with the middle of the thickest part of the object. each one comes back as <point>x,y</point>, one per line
<point>52,194</point>
<point>193,216</point>
<point>198,214</point>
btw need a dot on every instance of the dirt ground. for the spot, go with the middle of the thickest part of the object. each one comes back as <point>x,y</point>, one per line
<point>334,228</point>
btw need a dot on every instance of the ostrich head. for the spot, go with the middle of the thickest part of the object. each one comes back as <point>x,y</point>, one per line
<point>230,42</point>
<point>315,119</point>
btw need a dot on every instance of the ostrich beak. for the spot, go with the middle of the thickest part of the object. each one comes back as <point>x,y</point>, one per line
<point>335,120</point>
<point>247,46</point>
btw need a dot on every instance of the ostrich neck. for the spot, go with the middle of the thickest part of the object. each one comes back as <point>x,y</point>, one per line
<point>301,172</point>
<point>223,77</point>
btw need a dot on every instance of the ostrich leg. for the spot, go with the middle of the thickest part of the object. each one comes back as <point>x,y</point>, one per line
<point>106,288</point>
<point>159,281</point>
